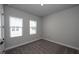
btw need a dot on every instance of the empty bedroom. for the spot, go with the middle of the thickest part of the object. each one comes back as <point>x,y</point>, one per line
<point>39,28</point>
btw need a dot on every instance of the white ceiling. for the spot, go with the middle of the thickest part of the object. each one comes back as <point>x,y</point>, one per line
<point>39,10</point>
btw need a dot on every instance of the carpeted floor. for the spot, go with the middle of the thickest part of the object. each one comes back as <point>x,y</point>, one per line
<point>42,47</point>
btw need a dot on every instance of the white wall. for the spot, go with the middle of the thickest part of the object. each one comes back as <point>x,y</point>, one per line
<point>12,42</point>
<point>63,27</point>
<point>60,27</point>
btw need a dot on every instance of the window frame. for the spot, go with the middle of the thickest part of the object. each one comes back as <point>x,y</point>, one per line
<point>15,27</point>
<point>31,27</point>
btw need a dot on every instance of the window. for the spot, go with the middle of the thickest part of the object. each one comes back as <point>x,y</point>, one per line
<point>16,25</point>
<point>33,27</point>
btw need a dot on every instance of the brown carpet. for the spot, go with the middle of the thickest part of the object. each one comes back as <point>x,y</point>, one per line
<point>42,47</point>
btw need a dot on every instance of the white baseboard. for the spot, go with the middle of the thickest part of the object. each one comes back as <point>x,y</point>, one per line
<point>19,45</point>
<point>45,39</point>
<point>62,44</point>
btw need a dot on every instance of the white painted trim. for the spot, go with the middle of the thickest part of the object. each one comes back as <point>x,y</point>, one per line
<point>19,45</point>
<point>63,44</point>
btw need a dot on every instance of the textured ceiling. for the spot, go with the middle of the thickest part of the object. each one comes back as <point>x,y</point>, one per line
<point>45,10</point>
